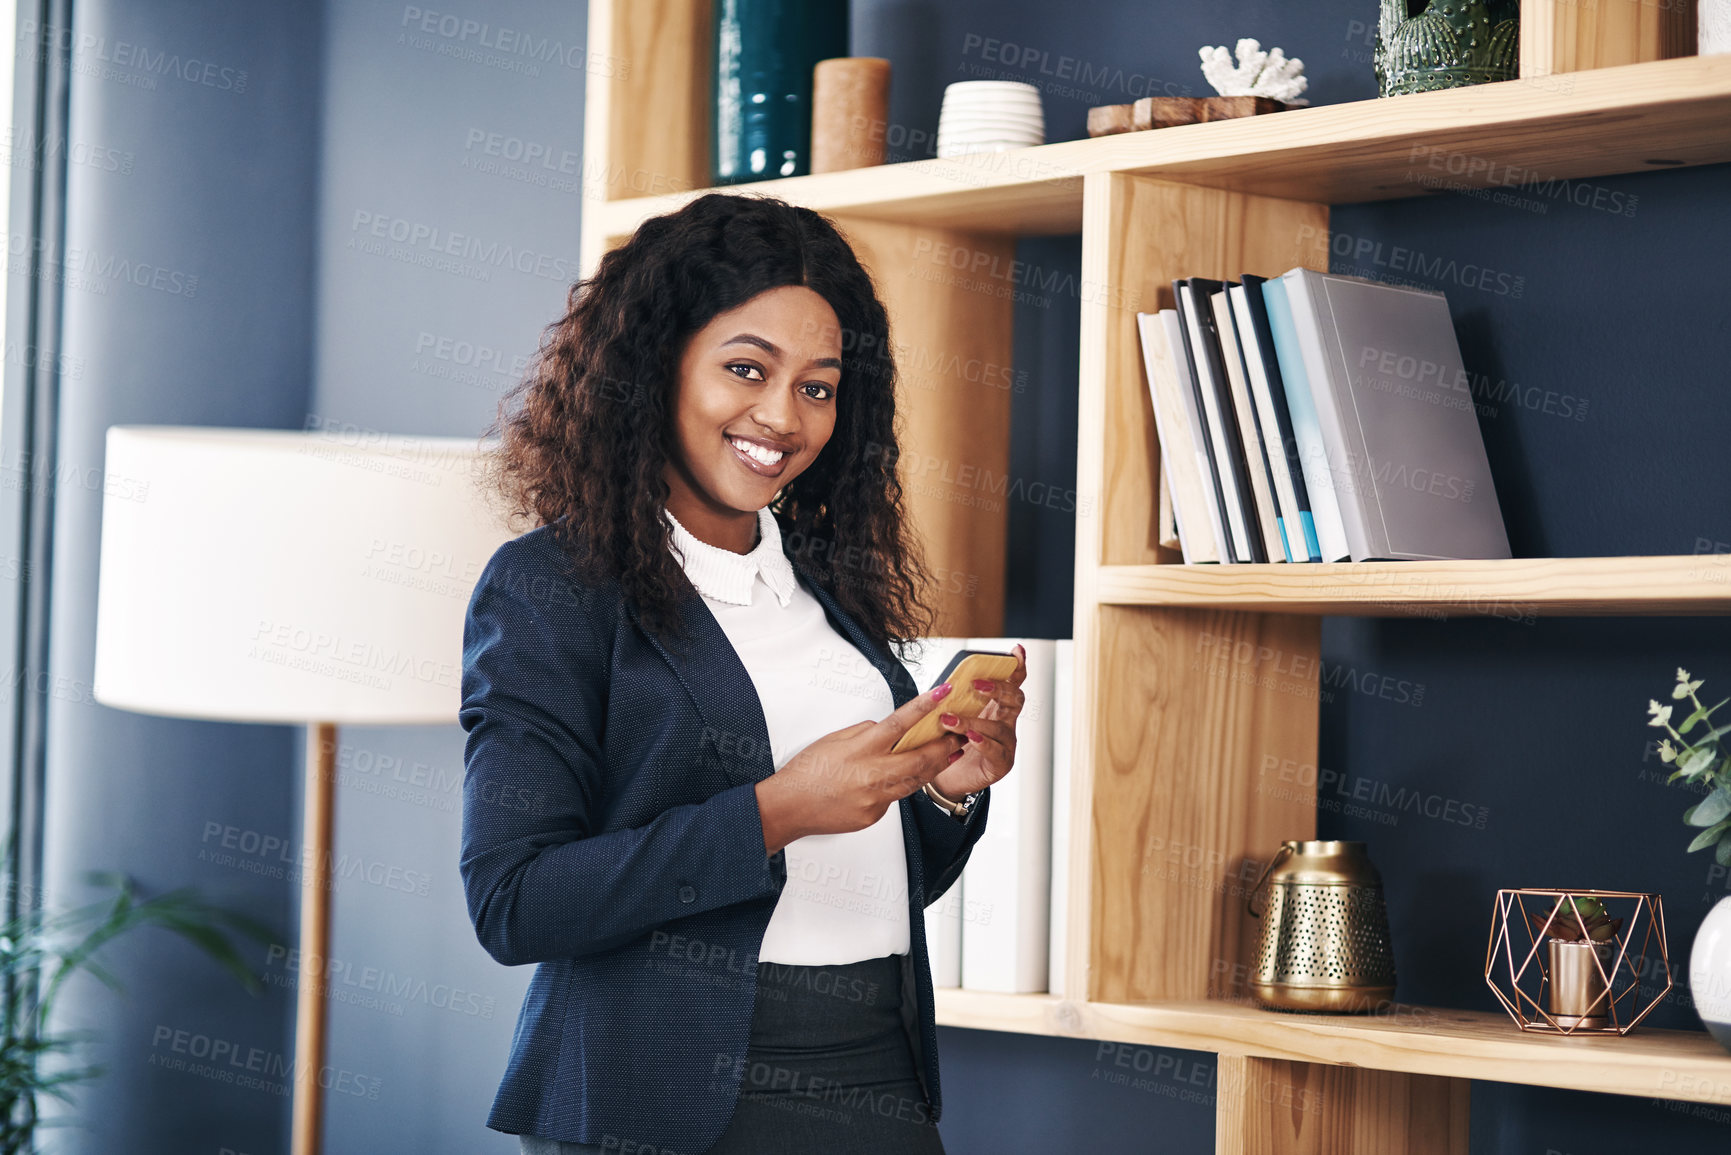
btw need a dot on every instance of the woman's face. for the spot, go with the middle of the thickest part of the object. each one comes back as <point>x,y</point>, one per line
<point>754,404</point>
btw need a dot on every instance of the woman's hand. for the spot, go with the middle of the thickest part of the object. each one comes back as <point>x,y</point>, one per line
<point>846,781</point>
<point>991,736</point>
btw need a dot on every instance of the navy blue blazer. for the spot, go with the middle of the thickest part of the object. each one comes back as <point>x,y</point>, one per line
<point>611,834</point>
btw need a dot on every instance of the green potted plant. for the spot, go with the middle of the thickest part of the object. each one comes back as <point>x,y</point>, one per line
<point>1581,943</point>
<point>40,951</point>
<point>1694,747</point>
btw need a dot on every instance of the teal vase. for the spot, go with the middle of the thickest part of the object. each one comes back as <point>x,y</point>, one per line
<point>764,53</point>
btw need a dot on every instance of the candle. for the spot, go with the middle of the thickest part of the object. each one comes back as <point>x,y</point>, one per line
<point>849,112</point>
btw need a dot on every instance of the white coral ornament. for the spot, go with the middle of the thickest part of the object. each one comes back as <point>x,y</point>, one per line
<point>1257,73</point>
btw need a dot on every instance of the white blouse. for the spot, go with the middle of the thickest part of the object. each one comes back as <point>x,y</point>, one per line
<point>846,898</point>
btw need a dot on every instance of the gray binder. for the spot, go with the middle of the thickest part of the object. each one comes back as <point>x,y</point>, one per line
<point>1396,409</point>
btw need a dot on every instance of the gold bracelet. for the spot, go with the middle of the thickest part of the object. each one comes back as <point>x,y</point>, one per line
<point>953,809</point>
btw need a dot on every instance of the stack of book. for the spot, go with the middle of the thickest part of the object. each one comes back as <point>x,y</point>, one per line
<point>996,928</point>
<point>1314,417</point>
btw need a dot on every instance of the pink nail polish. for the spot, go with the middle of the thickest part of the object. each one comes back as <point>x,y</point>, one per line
<point>939,693</point>
<point>976,736</point>
<point>956,754</point>
<point>949,719</point>
<point>983,686</point>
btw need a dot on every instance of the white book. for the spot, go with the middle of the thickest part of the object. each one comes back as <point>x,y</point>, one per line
<point>944,938</point>
<point>1007,883</point>
<point>1180,353</point>
<point>944,916</point>
<point>1183,456</point>
<point>1063,710</point>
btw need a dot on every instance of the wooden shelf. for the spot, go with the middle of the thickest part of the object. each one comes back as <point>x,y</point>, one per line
<point>1568,126</point>
<point>1515,589</point>
<point>1682,1065</point>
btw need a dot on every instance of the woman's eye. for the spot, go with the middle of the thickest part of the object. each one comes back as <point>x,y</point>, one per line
<point>823,392</point>
<point>746,370</point>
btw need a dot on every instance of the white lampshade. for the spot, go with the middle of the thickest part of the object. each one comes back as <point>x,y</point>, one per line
<point>264,576</point>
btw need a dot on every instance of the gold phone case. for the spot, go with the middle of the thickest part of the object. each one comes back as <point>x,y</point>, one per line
<point>962,699</point>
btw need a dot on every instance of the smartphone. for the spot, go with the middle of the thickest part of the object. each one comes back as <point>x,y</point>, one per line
<point>963,698</point>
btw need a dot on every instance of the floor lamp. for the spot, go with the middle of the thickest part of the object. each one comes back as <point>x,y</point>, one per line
<point>285,577</point>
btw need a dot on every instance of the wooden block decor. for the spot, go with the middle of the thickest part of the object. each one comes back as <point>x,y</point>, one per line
<point>1167,111</point>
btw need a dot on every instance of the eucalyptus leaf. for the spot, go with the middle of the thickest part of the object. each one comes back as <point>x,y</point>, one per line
<point>1698,761</point>
<point>1709,836</point>
<point>1700,715</point>
<point>1723,855</point>
<point>1714,734</point>
<point>1710,810</point>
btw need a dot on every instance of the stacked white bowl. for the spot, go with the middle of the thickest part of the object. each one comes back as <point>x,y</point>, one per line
<point>989,116</point>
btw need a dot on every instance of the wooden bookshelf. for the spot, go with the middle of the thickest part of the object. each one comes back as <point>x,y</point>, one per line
<point>1681,1065</point>
<point>1163,756</point>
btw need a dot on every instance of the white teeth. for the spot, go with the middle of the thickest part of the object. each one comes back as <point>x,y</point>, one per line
<point>756,452</point>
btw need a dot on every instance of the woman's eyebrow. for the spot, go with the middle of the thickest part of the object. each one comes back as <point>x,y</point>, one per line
<point>774,350</point>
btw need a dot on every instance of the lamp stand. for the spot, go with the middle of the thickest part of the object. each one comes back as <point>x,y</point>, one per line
<point>315,938</point>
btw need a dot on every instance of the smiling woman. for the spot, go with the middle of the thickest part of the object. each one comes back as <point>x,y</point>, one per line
<point>587,449</point>
<point>725,884</point>
<point>756,402</point>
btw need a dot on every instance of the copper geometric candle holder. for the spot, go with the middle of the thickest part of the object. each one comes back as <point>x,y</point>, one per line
<point>1601,984</point>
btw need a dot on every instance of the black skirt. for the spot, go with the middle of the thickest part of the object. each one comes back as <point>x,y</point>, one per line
<point>828,1070</point>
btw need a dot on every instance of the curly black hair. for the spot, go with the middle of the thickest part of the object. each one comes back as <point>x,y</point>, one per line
<point>587,445</point>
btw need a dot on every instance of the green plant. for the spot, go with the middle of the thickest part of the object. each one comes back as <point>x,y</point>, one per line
<point>1576,918</point>
<point>40,951</point>
<point>1701,763</point>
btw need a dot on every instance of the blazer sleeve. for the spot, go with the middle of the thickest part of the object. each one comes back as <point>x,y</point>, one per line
<point>945,843</point>
<point>540,880</point>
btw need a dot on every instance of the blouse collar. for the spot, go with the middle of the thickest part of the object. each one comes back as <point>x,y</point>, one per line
<point>725,576</point>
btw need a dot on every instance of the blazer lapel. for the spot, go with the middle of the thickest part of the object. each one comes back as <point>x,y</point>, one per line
<point>735,735</point>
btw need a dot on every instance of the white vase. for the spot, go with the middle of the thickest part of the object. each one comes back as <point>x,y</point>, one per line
<point>1713,26</point>
<point>1710,972</point>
